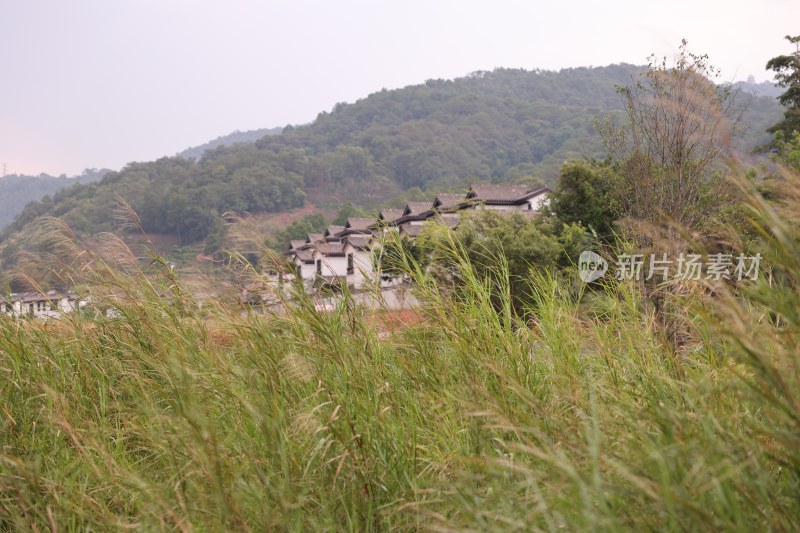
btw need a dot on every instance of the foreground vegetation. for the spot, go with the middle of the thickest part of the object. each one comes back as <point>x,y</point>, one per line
<point>171,416</point>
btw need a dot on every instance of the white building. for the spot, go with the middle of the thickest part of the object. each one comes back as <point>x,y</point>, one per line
<point>342,255</point>
<point>507,197</point>
<point>361,271</point>
<point>416,213</point>
<point>303,261</point>
<point>345,254</point>
<point>52,304</point>
<point>330,262</point>
<point>347,262</point>
<point>447,202</point>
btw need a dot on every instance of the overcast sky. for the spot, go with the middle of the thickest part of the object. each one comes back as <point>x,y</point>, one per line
<point>99,83</point>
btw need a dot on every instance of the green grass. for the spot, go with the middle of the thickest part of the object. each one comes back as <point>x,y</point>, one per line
<point>171,417</point>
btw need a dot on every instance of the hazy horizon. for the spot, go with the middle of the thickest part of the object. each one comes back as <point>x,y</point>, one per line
<point>94,84</point>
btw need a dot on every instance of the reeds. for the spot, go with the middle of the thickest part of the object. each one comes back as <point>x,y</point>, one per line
<point>171,417</point>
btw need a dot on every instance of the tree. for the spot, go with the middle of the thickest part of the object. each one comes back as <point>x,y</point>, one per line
<point>587,194</point>
<point>298,229</point>
<point>217,235</point>
<point>542,243</point>
<point>348,210</point>
<point>787,151</point>
<point>678,126</point>
<point>787,74</point>
<point>391,257</point>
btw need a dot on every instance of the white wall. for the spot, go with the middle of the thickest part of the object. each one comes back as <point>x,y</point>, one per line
<point>307,270</point>
<point>363,273</point>
<point>331,266</point>
<point>537,202</point>
<point>43,308</point>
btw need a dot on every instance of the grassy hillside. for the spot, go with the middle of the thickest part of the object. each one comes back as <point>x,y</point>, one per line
<point>505,125</point>
<point>172,416</point>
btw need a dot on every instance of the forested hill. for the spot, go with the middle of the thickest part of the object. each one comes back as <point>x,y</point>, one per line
<point>17,190</point>
<point>246,137</point>
<point>504,125</point>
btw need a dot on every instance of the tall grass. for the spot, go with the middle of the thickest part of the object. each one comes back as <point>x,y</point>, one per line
<point>170,416</point>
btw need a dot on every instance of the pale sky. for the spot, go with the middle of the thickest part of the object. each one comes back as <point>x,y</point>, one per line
<point>99,83</point>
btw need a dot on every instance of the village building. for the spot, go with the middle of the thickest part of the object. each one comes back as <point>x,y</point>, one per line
<point>358,226</point>
<point>388,217</point>
<point>359,255</point>
<point>410,230</point>
<point>330,263</point>
<point>345,254</point>
<point>303,262</point>
<point>447,202</point>
<point>9,306</point>
<point>451,220</point>
<point>348,261</point>
<point>416,213</point>
<point>296,244</point>
<point>53,304</point>
<point>507,197</point>
<point>315,238</point>
<point>333,233</point>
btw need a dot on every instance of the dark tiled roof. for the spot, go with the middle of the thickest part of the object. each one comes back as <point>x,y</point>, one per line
<point>331,249</point>
<point>34,296</point>
<point>359,223</point>
<point>294,244</point>
<point>411,230</point>
<point>306,256</point>
<point>499,193</point>
<point>450,220</point>
<point>315,238</point>
<point>333,230</point>
<point>504,194</point>
<point>449,201</point>
<point>417,208</point>
<point>388,216</point>
<point>359,242</point>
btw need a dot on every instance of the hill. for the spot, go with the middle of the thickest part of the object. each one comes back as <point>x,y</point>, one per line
<point>502,126</point>
<point>237,137</point>
<point>16,190</point>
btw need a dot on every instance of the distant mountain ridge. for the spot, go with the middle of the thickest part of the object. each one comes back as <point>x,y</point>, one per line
<point>764,88</point>
<point>247,137</point>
